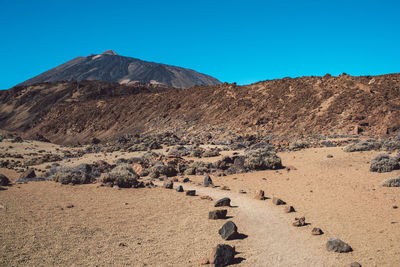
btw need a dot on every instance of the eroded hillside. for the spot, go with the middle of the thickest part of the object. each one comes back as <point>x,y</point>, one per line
<point>367,105</point>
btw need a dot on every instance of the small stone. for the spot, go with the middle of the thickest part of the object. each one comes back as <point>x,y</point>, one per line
<point>242,192</point>
<point>207,181</point>
<point>204,261</point>
<point>329,156</point>
<point>395,207</point>
<point>168,184</point>
<point>223,202</point>
<point>70,206</point>
<point>278,201</point>
<point>225,188</point>
<point>122,244</point>
<point>186,180</point>
<point>289,209</point>
<point>299,222</point>
<point>355,264</point>
<point>179,189</point>
<point>190,192</point>
<point>260,195</point>
<point>222,255</point>
<point>228,231</point>
<point>316,231</point>
<point>206,197</point>
<point>217,214</point>
<point>337,245</point>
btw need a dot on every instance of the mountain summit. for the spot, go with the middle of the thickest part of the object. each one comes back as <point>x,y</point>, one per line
<point>111,67</point>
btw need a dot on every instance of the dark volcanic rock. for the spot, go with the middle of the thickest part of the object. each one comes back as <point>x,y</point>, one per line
<point>4,181</point>
<point>223,202</point>
<point>217,214</point>
<point>289,209</point>
<point>228,231</point>
<point>337,245</point>
<point>260,195</point>
<point>207,181</point>
<point>190,192</point>
<point>298,222</point>
<point>316,231</point>
<point>222,255</point>
<point>179,189</point>
<point>278,201</point>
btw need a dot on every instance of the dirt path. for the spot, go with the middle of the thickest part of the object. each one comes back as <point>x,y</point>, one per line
<point>272,240</point>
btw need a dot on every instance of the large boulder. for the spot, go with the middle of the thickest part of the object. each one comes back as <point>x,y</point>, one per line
<point>228,231</point>
<point>222,255</point>
<point>384,163</point>
<point>337,245</point>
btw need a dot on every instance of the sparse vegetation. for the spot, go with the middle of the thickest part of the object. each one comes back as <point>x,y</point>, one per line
<point>122,175</point>
<point>361,146</point>
<point>384,163</point>
<point>392,182</point>
<point>261,159</point>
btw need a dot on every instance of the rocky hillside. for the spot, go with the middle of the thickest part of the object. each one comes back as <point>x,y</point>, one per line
<point>111,67</point>
<point>368,105</point>
<point>22,107</point>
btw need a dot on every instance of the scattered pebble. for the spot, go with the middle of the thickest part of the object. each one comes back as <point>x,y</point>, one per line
<point>316,231</point>
<point>299,222</point>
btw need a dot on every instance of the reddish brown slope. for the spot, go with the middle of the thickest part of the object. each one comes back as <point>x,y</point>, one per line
<point>307,105</point>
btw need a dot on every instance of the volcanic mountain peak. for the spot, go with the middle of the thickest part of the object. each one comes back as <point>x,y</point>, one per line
<point>111,67</point>
<point>109,52</point>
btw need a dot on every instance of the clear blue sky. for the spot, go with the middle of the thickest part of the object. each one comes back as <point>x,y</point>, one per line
<point>234,41</point>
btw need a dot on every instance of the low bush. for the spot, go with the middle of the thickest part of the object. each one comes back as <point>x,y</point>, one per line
<point>392,182</point>
<point>384,163</point>
<point>122,175</point>
<point>262,159</point>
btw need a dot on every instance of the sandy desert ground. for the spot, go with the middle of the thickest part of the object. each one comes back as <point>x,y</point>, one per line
<point>161,227</point>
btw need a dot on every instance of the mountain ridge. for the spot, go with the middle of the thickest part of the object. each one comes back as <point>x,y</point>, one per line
<point>70,112</point>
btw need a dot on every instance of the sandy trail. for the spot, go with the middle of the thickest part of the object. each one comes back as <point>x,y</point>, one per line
<point>272,240</point>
